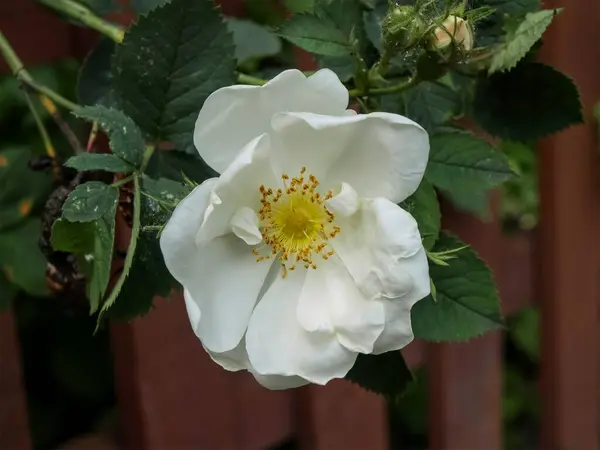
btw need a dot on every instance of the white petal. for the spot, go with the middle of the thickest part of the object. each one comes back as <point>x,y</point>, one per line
<point>244,224</point>
<point>237,359</point>
<point>278,382</point>
<point>177,240</point>
<point>237,187</point>
<point>192,308</point>
<point>234,115</point>
<point>378,154</point>
<point>278,345</point>
<point>345,203</point>
<point>331,301</point>
<point>398,331</point>
<point>373,242</point>
<point>206,272</point>
<point>233,360</point>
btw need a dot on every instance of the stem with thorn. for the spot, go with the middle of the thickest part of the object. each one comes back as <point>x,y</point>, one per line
<point>394,89</point>
<point>135,232</point>
<point>85,15</point>
<point>16,66</point>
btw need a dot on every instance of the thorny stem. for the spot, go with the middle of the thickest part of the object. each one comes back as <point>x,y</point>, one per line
<point>248,79</point>
<point>41,127</point>
<point>122,181</point>
<point>92,137</point>
<point>149,151</point>
<point>135,232</point>
<point>16,66</point>
<point>84,14</point>
<point>394,89</point>
<point>64,127</point>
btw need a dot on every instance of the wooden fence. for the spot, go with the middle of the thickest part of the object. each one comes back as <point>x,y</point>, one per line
<point>170,396</point>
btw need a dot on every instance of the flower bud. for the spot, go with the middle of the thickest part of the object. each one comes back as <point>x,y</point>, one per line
<point>402,27</point>
<point>454,29</point>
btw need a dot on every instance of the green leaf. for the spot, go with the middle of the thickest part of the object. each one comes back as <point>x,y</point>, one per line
<point>521,37</point>
<point>316,35</point>
<point>467,300</point>
<point>145,6</point>
<point>423,205</point>
<point>167,193</point>
<point>531,101</point>
<point>73,237</point>
<point>510,8</point>
<point>98,161</point>
<point>431,104</point>
<point>343,66</point>
<point>84,238</point>
<point>465,167</point>
<point>147,279</point>
<point>21,260</point>
<point>175,165</point>
<point>17,202</point>
<point>125,137</point>
<point>524,330</point>
<point>386,374</point>
<point>101,7</point>
<point>252,40</point>
<point>90,201</point>
<point>94,83</point>
<point>149,276</point>
<point>170,61</point>
<point>104,237</point>
<point>490,31</point>
<point>299,6</point>
<point>373,20</point>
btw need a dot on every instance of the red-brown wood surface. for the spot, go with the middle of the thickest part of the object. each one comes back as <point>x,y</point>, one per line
<point>14,428</point>
<point>340,416</point>
<point>465,380</point>
<point>171,395</point>
<point>37,35</point>
<point>568,255</point>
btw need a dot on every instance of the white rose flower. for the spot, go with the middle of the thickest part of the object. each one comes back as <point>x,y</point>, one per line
<point>297,257</point>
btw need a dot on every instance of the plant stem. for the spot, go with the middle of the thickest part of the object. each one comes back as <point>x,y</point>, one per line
<point>147,155</point>
<point>64,126</point>
<point>41,127</point>
<point>84,14</point>
<point>135,232</point>
<point>92,137</point>
<point>122,181</point>
<point>16,66</point>
<point>242,78</point>
<point>386,90</point>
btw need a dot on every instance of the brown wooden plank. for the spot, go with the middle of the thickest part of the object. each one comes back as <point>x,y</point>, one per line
<point>171,395</point>
<point>14,427</point>
<point>465,380</point>
<point>514,271</point>
<point>569,240</point>
<point>38,36</point>
<point>340,416</point>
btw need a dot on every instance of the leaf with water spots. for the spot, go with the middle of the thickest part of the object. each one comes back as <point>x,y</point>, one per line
<point>125,137</point>
<point>170,61</point>
<point>90,201</point>
<point>99,161</point>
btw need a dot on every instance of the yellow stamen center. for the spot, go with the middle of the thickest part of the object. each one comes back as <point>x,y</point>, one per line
<point>295,223</point>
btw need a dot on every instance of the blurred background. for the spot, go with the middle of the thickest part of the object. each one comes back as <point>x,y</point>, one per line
<point>68,374</point>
